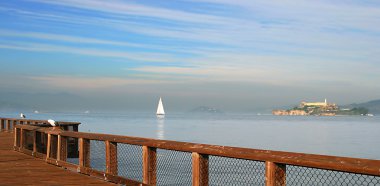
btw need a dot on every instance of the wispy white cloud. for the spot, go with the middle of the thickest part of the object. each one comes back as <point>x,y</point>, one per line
<point>64,38</point>
<point>314,14</point>
<point>300,34</point>
<point>273,42</point>
<point>127,8</point>
<point>271,70</point>
<point>138,56</point>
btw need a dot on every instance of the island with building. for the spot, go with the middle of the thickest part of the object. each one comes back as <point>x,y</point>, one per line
<point>320,109</point>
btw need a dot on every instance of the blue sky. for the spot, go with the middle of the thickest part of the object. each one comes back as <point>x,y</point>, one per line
<point>234,55</point>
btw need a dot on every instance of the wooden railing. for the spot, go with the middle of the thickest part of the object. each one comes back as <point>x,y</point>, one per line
<point>271,168</point>
<point>7,124</point>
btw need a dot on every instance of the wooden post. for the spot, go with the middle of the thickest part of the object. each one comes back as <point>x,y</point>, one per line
<point>48,146</point>
<point>21,142</point>
<point>16,136</point>
<point>62,148</point>
<point>111,157</point>
<point>2,123</point>
<point>149,165</point>
<point>34,142</point>
<point>200,169</point>
<point>8,125</point>
<point>84,152</point>
<point>275,174</point>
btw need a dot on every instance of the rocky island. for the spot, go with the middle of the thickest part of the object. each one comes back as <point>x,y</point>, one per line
<point>320,109</point>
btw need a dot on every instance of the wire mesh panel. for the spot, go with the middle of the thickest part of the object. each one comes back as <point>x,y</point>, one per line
<point>41,142</point>
<point>98,155</point>
<point>72,150</point>
<point>231,171</point>
<point>53,146</point>
<point>174,167</point>
<point>28,137</point>
<point>296,175</point>
<point>11,124</point>
<point>130,161</point>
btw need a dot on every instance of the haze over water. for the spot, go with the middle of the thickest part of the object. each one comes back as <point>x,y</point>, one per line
<point>351,136</point>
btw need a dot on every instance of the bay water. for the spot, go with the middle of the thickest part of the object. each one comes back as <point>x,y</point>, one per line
<point>349,136</point>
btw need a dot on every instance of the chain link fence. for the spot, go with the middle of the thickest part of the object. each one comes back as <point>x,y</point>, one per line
<point>174,168</point>
<point>225,171</point>
<point>98,155</point>
<point>72,150</point>
<point>130,163</point>
<point>53,146</point>
<point>41,142</point>
<point>11,124</point>
<point>28,142</point>
<point>297,176</point>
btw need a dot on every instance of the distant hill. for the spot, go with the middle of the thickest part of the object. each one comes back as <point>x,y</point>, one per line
<point>13,101</point>
<point>372,106</point>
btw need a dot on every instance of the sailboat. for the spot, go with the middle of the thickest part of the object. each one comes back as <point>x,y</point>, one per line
<point>160,109</point>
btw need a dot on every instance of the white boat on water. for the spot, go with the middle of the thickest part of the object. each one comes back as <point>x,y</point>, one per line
<point>160,109</point>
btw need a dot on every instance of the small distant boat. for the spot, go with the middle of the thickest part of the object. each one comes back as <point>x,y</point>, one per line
<point>160,109</point>
<point>36,112</point>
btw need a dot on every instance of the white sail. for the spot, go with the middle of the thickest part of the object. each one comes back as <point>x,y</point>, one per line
<point>160,108</point>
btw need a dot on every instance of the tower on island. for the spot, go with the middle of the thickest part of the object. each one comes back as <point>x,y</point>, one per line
<point>319,104</point>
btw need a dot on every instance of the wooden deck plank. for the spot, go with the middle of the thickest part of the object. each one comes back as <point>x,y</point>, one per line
<point>20,169</point>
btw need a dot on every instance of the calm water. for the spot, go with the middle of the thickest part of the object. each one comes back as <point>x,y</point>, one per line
<point>355,136</point>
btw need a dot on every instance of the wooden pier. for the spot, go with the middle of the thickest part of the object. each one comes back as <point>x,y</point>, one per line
<point>142,161</point>
<point>20,169</point>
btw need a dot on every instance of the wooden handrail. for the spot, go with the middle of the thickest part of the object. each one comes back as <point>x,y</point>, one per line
<point>275,161</point>
<point>32,121</point>
<point>336,163</point>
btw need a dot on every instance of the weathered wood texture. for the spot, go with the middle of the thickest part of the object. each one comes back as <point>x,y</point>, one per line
<point>84,152</point>
<point>62,148</point>
<point>149,165</point>
<point>20,169</point>
<point>200,169</point>
<point>275,174</point>
<point>111,157</point>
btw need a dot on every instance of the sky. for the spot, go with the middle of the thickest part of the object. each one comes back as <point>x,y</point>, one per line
<point>241,55</point>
